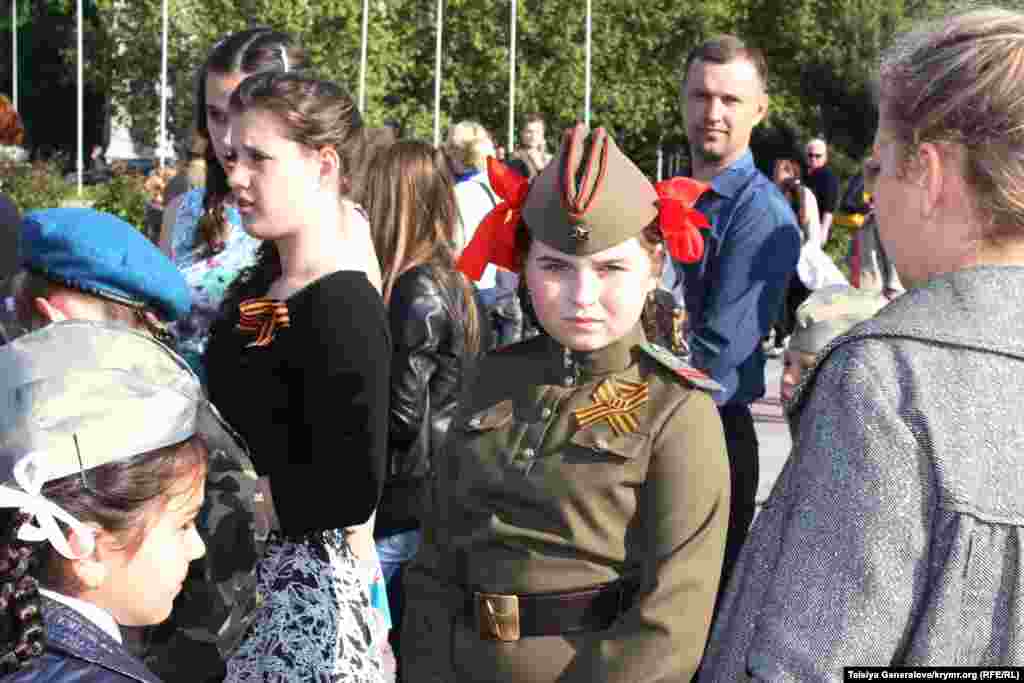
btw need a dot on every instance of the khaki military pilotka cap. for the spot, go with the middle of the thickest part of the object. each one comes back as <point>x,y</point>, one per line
<point>590,197</point>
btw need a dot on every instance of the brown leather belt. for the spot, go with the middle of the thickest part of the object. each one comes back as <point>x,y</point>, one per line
<point>511,617</point>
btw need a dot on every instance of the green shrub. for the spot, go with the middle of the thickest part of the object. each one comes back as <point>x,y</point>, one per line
<point>41,185</point>
<point>122,196</point>
<point>37,185</point>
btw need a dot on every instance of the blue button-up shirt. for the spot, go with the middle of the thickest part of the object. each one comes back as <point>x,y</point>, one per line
<point>733,295</point>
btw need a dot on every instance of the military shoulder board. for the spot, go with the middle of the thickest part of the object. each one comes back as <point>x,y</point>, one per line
<point>680,367</point>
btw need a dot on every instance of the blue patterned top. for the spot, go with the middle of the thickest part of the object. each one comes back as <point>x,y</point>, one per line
<point>208,275</point>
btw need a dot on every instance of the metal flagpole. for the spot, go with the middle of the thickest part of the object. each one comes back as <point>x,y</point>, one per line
<point>14,50</point>
<point>437,77</point>
<point>81,102</point>
<point>162,152</point>
<point>512,83</point>
<point>586,103</point>
<point>362,58</point>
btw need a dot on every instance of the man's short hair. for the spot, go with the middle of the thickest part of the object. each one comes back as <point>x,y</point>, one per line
<point>728,48</point>
<point>533,118</point>
<point>816,141</point>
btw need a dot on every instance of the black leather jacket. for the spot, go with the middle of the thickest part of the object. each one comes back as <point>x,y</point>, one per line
<point>430,363</point>
<point>78,651</point>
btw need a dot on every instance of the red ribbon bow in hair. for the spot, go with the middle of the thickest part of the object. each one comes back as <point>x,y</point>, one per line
<point>495,238</point>
<point>680,222</point>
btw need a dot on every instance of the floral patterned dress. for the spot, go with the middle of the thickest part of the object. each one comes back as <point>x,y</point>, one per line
<point>208,275</point>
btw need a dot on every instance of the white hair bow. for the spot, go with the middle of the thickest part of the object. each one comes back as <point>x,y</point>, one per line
<point>31,474</point>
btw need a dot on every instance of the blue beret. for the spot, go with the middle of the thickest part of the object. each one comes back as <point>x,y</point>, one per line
<point>100,254</point>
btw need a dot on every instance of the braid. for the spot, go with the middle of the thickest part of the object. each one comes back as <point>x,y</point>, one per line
<point>22,635</point>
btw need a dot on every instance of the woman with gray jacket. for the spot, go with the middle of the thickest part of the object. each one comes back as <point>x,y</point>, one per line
<point>893,536</point>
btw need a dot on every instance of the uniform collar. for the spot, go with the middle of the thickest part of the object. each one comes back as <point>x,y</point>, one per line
<point>587,365</point>
<point>76,635</point>
<point>97,615</point>
<point>728,182</point>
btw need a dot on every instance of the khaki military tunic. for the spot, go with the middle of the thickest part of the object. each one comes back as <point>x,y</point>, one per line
<point>526,502</point>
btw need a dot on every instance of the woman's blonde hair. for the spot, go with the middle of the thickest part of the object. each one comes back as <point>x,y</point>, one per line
<point>960,81</point>
<point>469,144</point>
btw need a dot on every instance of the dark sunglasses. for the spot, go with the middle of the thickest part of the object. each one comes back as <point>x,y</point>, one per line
<point>811,155</point>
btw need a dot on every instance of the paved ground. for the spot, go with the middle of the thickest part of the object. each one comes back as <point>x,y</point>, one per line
<point>772,432</point>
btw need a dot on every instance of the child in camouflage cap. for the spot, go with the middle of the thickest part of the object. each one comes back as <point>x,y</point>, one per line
<point>826,314</point>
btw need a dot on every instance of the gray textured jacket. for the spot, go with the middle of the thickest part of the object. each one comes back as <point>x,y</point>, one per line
<point>895,533</point>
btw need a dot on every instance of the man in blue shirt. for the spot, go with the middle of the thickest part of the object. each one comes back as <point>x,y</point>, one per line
<point>733,294</point>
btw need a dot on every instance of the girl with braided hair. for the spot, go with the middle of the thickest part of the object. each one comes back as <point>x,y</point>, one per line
<point>97,519</point>
<point>202,231</point>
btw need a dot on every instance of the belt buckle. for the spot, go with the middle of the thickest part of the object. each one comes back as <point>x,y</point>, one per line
<point>497,616</point>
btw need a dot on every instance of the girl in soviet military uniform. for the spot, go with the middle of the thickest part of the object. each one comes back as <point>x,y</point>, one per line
<point>578,518</point>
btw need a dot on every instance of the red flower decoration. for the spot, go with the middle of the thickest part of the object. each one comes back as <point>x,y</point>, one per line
<point>680,222</point>
<point>495,238</point>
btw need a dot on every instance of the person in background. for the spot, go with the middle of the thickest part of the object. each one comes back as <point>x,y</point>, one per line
<point>823,316</point>
<point>824,183</point>
<point>869,262</point>
<point>98,160</point>
<point>892,537</point>
<point>800,197</point>
<point>202,231</point>
<point>578,517</point>
<point>376,140</point>
<point>99,506</point>
<point>304,331</point>
<point>805,206</point>
<point>10,230</point>
<point>855,205</point>
<point>532,155</point>
<point>12,133</point>
<point>87,264</point>
<point>82,264</point>
<point>468,147</point>
<point>734,292</point>
<point>438,332</point>
<point>191,170</point>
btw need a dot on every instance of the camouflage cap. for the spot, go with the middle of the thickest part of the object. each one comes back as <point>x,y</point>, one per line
<point>118,394</point>
<point>590,197</point>
<point>830,312</point>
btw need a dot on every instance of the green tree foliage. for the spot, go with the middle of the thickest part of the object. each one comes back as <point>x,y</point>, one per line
<point>822,54</point>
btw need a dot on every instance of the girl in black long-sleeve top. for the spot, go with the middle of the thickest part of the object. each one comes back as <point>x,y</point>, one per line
<point>300,365</point>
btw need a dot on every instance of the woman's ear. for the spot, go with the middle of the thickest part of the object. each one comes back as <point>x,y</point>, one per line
<point>933,168</point>
<point>89,572</point>
<point>330,166</point>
